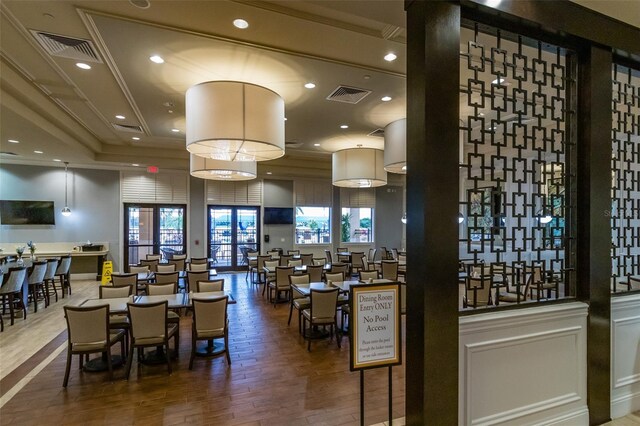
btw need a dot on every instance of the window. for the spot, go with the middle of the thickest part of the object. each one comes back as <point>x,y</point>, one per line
<point>356,225</point>
<point>313,225</point>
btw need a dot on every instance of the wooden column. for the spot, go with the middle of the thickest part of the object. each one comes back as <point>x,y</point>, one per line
<point>594,222</point>
<point>433,45</point>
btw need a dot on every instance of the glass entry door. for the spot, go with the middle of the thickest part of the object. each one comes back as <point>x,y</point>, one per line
<point>153,229</point>
<point>233,231</point>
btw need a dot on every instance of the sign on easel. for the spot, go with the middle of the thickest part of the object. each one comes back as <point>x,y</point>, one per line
<point>374,324</point>
<point>107,269</point>
<point>374,328</point>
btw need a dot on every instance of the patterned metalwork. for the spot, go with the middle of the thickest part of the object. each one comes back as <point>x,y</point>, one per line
<point>625,191</point>
<point>516,150</point>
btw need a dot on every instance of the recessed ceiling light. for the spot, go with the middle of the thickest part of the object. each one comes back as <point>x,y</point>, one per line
<point>385,98</point>
<point>135,165</point>
<point>120,117</point>
<point>240,23</point>
<point>135,138</point>
<point>285,119</point>
<point>344,126</point>
<point>38,152</point>
<point>13,141</point>
<point>83,66</point>
<point>57,160</point>
<point>390,57</point>
<point>498,81</point>
<point>310,85</point>
<point>316,144</point>
<point>269,173</point>
<point>157,59</point>
<point>175,130</point>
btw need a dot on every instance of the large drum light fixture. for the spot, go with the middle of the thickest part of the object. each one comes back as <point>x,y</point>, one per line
<point>395,147</point>
<point>358,168</point>
<point>234,121</point>
<point>207,168</point>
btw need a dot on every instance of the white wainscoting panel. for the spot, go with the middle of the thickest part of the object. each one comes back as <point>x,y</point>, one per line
<point>524,367</point>
<point>625,355</point>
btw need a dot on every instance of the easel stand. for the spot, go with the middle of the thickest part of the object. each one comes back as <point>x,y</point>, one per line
<point>390,397</point>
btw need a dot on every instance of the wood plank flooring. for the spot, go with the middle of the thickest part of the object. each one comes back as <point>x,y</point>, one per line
<point>273,380</point>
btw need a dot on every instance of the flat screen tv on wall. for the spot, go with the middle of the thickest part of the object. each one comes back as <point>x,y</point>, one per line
<point>18,212</point>
<point>278,216</point>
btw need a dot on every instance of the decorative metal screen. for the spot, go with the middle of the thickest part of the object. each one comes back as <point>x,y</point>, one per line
<point>515,180</point>
<point>625,192</point>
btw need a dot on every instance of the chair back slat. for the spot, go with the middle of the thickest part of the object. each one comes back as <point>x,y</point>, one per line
<point>334,276</point>
<point>52,266</point>
<point>65,264</point>
<point>210,314</point>
<point>282,276</point>
<point>119,280</point>
<point>14,281</point>
<point>166,268</point>
<point>315,272</point>
<point>107,292</point>
<point>368,275</point>
<point>148,320</point>
<point>323,303</point>
<point>37,272</point>
<point>162,289</point>
<point>299,279</point>
<point>166,277</point>
<point>209,285</point>
<point>87,325</point>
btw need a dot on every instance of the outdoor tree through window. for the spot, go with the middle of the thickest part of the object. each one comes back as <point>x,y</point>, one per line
<point>313,225</point>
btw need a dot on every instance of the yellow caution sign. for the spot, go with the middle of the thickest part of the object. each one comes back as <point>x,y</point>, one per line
<point>107,269</point>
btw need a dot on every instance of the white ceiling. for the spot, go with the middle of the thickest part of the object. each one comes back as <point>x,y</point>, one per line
<point>49,104</point>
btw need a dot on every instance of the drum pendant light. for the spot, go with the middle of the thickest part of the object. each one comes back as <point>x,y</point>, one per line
<point>206,168</point>
<point>395,147</point>
<point>234,121</point>
<point>358,168</point>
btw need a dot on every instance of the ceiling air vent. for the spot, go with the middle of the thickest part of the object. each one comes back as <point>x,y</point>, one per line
<point>377,133</point>
<point>349,95</point>
<point>67,47</point>
<point>127,128</point>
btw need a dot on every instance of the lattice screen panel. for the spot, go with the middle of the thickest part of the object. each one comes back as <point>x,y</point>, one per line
<point>516,150</point>
<point>625,193</point>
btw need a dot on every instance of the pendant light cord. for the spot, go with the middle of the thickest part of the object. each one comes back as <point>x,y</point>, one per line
<point>66,164</point>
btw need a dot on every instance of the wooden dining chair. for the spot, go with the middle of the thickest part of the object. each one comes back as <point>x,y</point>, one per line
<point>194,276</point>
<point>50,279</point>
<point>88,332</point>
<point>322,311</point>
<point>152,264</point>
<point>210,321</point>
<point>150,328</point>
<point>298,300</point>
<point>36,283</point>
<point>11,291</point>
<point>280,284</point>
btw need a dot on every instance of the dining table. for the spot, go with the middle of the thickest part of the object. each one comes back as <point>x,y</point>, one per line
<point>118,306</point>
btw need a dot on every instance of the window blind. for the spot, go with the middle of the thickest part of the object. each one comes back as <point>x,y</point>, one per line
<point>246,193</point>
<point>357,197</point>
<point>313,194</point>
<point>140,187</point>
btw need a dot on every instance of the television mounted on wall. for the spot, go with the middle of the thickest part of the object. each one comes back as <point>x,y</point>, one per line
<point>19,212</point>
<point>278,216</point>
